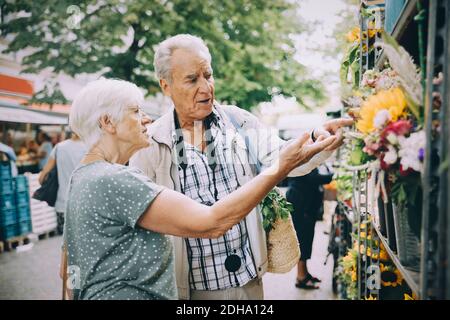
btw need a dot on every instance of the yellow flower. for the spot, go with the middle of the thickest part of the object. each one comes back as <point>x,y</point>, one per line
<point>364,48</point>
<point>390,276</point>
<point>407,297</point>
<point>372,33</point>
<point>354,277</point>
<point>392,100</point>
<point>372,30</point>
<point>353,35</point>
<point>370,298</point>
<point>384,255</point>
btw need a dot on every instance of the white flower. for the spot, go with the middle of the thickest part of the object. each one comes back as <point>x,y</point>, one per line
<point>354,101</point>
<point>390,157</point>
<point>381,118</point>
<point>410,150</point>
<point>392,138</point>
<point>386,82</point>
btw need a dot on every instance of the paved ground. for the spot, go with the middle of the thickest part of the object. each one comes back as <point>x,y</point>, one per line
<point>282,286</point>
<point>33,273</point>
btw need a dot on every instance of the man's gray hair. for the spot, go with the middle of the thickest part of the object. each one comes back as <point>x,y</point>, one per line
<point>166,48</point>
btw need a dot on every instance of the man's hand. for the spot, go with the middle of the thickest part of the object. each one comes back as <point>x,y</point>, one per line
<point>301,150</point>
<point>333,127</point>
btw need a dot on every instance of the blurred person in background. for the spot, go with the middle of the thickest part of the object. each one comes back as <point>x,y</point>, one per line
<point>7,154</point>
<point>45,148</point>
<point>27,157</point>
<point>66,155</point>
<point>306,195</point>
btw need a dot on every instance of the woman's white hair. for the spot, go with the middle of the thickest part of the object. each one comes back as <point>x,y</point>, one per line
<point>166,48</point>
<point>99,98</point>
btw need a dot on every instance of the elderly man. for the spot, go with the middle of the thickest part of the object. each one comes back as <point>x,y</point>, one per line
<point>204,150</point>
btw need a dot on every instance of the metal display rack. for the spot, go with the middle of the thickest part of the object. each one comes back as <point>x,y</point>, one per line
<point>432,281</point>
<point>435,270</point>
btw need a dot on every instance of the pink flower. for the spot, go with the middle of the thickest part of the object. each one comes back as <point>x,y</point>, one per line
<point>384,166</point>
<point>399,128</point>
<point>406,172</point>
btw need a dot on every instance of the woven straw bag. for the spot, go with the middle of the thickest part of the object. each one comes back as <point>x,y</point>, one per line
<point>282,246</point>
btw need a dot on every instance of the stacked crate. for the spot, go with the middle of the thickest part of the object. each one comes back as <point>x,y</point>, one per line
<point>22,197</point>
<point>14,204</point>
<point>8,219</point>
<point>43,217</point>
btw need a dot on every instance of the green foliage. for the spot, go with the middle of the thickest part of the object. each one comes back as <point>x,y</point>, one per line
<point>275,206</point>
<point>405,188</point>
<point>250,42</point>
<point>344,185</point>
<point>351,63</point>
<point>50,94</point>
<point>357,155</point>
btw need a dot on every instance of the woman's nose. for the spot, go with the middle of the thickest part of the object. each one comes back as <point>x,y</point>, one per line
<point>145,119</point>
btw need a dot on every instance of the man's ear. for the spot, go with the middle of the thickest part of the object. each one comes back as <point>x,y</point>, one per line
<point>106,124</point>
<point>165,87</point>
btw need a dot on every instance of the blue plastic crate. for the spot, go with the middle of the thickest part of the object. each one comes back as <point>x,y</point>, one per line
<point>23,227</point>
<point>8,232</point>
<point>6,186</point>
<point>5,170</point>
<point>22,198</point>
<point>21,184</point>
<point>7,202</point>
<point>23,213</point>
<point>8,217</point>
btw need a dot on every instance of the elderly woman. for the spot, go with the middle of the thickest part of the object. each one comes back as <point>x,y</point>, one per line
<point>117,219</point>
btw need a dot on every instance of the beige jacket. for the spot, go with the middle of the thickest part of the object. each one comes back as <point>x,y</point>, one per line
<point>159,162</point>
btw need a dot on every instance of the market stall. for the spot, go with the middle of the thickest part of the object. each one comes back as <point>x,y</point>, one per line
<point>19,213</point>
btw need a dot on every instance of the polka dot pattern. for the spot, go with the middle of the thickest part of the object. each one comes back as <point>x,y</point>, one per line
<point>117,259</point>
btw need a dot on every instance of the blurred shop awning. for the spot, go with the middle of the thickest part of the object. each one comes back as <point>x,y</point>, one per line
<point>11,112</point>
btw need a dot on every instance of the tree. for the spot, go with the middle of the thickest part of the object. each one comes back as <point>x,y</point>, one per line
<point>249,41</point>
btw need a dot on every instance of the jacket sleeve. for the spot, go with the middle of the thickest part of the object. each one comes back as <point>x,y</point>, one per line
<point>143,161</point>
<point>269,144</point>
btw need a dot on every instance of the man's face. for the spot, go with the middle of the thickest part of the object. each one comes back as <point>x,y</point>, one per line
<point>192,85</point>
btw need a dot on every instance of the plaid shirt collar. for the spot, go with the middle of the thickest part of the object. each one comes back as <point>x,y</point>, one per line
<point>214,118</point>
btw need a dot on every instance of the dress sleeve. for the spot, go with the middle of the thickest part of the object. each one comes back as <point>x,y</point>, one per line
<point>128,195</point>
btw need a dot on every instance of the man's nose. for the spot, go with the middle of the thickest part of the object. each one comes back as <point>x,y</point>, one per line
<point>204,85</point>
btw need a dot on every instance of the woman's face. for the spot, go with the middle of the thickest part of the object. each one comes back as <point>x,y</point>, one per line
<point>131,130</point>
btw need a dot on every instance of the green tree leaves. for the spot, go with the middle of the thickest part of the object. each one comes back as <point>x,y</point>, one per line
<point>250,42</point>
